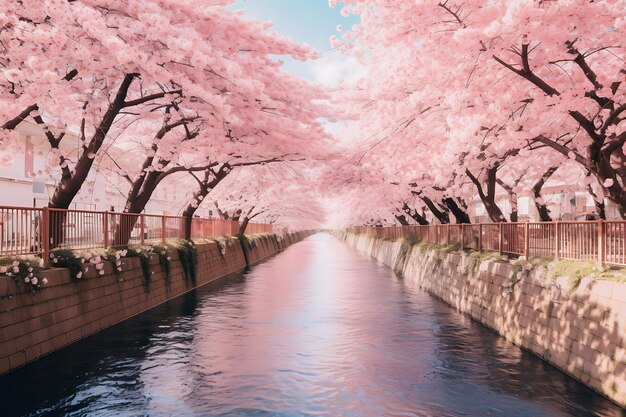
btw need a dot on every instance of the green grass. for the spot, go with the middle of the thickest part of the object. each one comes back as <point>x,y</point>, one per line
<point>486,255</point>
<point>537,262</point>
<point>405,248</point>
<point>575,271</point>
<point>443,248</point>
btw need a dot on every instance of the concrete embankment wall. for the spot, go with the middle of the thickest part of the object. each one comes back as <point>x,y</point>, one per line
<point>582,333</point>
<point>66,310</point>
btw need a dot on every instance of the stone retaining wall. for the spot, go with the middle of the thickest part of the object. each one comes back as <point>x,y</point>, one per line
<point>582,333</point>
<point>266,245</point>
<point>64,311</point>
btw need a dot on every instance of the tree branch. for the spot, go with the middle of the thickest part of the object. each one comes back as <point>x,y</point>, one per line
<point>613,117</point>
<point>456,15</point>
<point>13,123</point>
<point>582,63</point>
<point>561,149</point>
<point>150,97</point>
<point>527,73</point>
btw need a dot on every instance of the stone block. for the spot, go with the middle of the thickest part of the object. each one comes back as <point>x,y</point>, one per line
<point>601,288</point>
<point>5,365</point>
<point>501,269</point>
<point>619,292</point>
<point>17,359</point>
<point>560,357</point>
<point>588,355</point>
<point>74,335</point>
<point>31,353</point>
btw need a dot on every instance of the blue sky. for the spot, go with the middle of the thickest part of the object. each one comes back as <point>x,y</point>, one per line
<point>306,21</point>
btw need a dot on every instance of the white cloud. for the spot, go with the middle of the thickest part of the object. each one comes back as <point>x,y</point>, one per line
<point>332,68</point>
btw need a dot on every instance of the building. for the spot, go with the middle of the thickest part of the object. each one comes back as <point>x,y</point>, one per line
<point>564,206</point>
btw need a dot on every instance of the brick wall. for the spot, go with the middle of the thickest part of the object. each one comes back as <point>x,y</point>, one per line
<point>583,333</point>
<point>34,324</point>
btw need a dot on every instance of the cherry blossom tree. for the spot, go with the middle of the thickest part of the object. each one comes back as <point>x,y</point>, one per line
<point>272,122</point>
<point>94,68</point>
<point>475,83</point>
<point>283,194</point>
<point>196,88</point>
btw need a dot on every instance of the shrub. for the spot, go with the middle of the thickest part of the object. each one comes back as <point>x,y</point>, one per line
<point>144,254</point>
<point>80,262</point>
<point>188,254</point>
<point>115,255</point>
<point>66,258</point>
<point>164,260</point>
<point>25,270</point>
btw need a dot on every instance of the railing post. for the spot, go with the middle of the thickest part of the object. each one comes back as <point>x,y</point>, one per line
<point>526,241</point>
<point>45,235</point>
<point>480,237</point>
<point>141,227</point>
<point>500,237</point>
<point>557,239</point>
<point>163,223</point>
<point>448,238</point>
<point>462,236</point>
<point>601,243</point>
<point>105,229</point>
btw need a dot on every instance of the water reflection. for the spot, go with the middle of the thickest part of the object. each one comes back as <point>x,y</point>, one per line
<point>317,330</point>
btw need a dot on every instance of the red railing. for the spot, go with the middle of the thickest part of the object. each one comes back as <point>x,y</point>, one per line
<point>26,231</point>
<point>603,241</point>
<point>256,228</point>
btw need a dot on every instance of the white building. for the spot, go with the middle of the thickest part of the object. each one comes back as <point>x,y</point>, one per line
<point>564,206</point>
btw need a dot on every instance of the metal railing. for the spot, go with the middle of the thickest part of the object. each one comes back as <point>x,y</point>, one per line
<point>602,241</point>
<point>36,231</point>
<point>256,228</point>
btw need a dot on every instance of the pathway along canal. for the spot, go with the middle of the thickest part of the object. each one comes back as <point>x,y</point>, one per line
<point>316,330</point>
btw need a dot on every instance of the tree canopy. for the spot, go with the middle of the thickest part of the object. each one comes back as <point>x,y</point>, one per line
<point>458,102</point>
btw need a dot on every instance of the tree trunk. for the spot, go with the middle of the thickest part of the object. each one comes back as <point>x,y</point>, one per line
<point>489,198</point>
<point>192,207</point>
<point>441,214</point>
<point>206,185</point>
<point>598,203</point>
<point>124,228</point>
<point>402,219</point>
<point>415,215</point>
<point>460,215</point>
<point>243,225</point>
<point>243,240</point>
<point>544,212</point>
<point>56,228</point>
<point>70,185</point>
<point>514,210</point>
<point>601,168</point>
<point>512,200</point>
<point>542,208</point>
<point>135,204</point>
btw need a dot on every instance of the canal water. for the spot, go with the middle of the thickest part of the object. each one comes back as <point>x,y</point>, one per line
<point>318,330</point>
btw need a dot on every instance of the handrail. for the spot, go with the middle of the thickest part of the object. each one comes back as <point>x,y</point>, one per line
<point>37,231</point>
<point>601,240</point>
